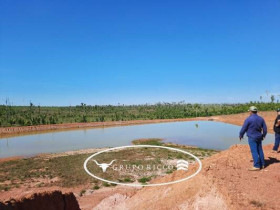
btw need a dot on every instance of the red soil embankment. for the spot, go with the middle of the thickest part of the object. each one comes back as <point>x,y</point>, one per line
<point>44,201</point>
<point>12,131</point>
<point>223,183</point>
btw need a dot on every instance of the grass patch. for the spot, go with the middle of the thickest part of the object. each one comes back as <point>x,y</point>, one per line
<point>144,180</point>
<point>96,187</point>
<point>106,184</point>
<point>152,141</point>
<point>170,171</point>
<point>127,180</point>
<point>68,170</point>
<point>83,191</point>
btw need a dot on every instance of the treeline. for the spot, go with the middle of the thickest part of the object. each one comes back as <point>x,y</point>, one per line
<point>41,115</point>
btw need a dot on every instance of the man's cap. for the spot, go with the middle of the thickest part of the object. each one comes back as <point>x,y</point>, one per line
<point>253,109</point>
<point>278,110</point>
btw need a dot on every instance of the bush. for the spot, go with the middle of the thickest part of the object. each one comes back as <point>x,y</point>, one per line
<point>143,180</point>
<point>96,187</point>
<point>105,184</point>
<point>83,191</point>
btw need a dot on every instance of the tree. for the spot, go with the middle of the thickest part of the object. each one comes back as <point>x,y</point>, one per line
<point>272,98</point>
<point>7,111</point>
<point>84,119</point>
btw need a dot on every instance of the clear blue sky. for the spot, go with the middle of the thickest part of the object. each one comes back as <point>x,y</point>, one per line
<point>56,52</point>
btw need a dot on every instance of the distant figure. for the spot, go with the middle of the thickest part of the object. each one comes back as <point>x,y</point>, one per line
<point>276,129</point>
<point>256,130</point>
<point>196,125</point>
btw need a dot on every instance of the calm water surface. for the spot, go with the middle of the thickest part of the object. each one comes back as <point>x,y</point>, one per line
<point>205,134</point>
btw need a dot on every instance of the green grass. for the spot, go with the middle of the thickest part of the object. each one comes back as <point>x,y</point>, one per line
<point>151,141</point>
<point>105,184</point>
<point>170,171</point>
<point>82,192</point>
<point>144,180</point>
<point>127,180</point>
<point>96,187</point>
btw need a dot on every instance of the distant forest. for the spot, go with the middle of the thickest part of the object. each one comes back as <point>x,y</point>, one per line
<point>42,115</point>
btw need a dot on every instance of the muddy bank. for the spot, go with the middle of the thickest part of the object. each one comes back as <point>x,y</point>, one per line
<point>44,201</point>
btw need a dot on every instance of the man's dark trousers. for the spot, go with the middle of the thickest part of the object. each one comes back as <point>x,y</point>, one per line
<point>277,141</point>
<point>257,152</point>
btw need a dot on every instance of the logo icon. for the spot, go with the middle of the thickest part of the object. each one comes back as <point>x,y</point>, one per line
<point>182,165</point>
<point>104,166</point>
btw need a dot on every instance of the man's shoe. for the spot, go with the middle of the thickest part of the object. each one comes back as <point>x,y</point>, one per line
<point>262,167</point>
<point>253,169</point>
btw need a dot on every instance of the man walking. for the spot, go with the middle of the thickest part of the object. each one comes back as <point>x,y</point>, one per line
<point>256,130</point>
<point>276,129</point>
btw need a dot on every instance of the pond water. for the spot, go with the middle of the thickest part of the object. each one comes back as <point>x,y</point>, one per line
<point>204,134</point>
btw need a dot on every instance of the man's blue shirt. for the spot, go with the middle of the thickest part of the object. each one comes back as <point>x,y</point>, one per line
<point>255,127</point>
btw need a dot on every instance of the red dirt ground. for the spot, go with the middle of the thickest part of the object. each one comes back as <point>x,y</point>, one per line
<point>224,183</point>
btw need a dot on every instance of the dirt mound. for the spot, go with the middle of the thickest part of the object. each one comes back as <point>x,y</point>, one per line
<point>44,201</point>
<point>224,183</point>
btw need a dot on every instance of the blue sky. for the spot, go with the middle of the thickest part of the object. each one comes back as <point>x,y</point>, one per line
<point>135,52</point>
